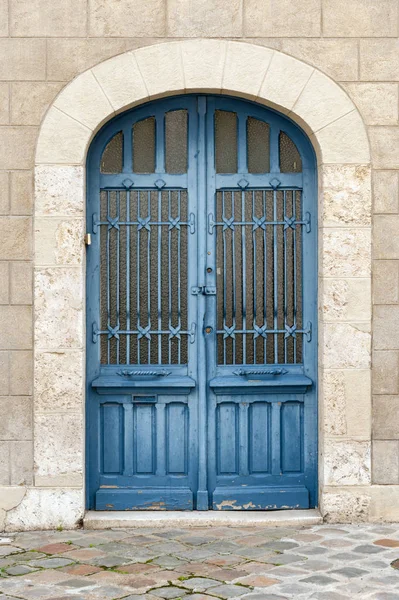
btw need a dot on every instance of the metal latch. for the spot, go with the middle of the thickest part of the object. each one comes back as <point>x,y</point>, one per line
<point>207,290</point>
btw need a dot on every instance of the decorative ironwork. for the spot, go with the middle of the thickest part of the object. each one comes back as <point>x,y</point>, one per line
<point>161,373</point>
<point>246,372</point>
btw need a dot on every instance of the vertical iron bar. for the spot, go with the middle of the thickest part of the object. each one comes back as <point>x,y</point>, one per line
<point>285,272</point>
<point>233,252</point>
<point>159,277</point>
<point>275,277</point>
<point>138,277</point>
<point>244,284</point>
<point>254,276</point>
<point>149,275</point>
<point>169,281</point>
<point>264,193</point>
<point>179,275</point>
<point>118,213</point>
<point>294,267</point>
<point>108,282</point>
<point>128,276</point>
<point>224,280</point>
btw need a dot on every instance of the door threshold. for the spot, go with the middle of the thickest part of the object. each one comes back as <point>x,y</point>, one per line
<point>148,518</point>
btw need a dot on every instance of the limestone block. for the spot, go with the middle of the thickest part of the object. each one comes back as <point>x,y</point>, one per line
<point>58,447</point>
<point>377,102</point>
<point>4,193</point>
<point>347,402</point>
<point>385,372</point>
<point>15,238</point>
<point>284,91</point>
<point>58,307</point>
<point>321,102</point>
<point>282,18</point>
<point>121,80</point>
<point>30,100</point>
<point>11,497</point>
<point>21,373</point>
<point>58,381</point>
<point>59,190</point>
<point>385,462</point>
<point>360,19</point>
<point>346,195</point>
<point>4,464</point>
<point>59,241</point>
<point>386,281</point>
<point>4,104</point>
<point>386,191</point>
<point>15,327</point>
<point>4,283</point>
<point>21,463</point>
<point>21,282</point>
<point>203,63</point>
<point>345,506</point>
<point>384,505</point>
<point>215,18</point>
<point>16,421</point>
<point>386,417</point>
<point>17,147</point>
<point>3,18</point>
<point>346,299</point>
<point>4,372</point>
<point>346,252</point>
<point>344,141</point>
<point>347,462</point>
<point>161,68</point>
<point>129,18</point>
<point>62,140</point>
<point>386,239</point>
<point>379,60</point>
<point>384,143</point>
<point>21,192</point>
<point>30,18</point>
<point>386,327</point>
<point>245,68</point>
<point>68,57</point>
<point>346,346</point>
<point>336,58</point>
<point>22,59</point>
<point>46,509</point>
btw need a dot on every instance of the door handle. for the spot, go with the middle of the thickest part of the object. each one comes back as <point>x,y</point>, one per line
<point>206,290</point>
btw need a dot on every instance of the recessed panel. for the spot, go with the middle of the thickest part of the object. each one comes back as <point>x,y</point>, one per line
<point>112,435</point>
<point>291,437</point>
<point>227,438</point>
<point>259,437</point>
<point>144,439</point>
<point>177,438</point>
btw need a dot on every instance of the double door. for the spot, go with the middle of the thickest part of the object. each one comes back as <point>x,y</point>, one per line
<point>201,310</point>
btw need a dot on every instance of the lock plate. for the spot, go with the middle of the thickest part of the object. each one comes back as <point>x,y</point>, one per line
<point>206,290</point>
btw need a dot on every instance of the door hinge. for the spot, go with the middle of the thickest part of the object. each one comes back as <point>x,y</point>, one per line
<point>206,290</point>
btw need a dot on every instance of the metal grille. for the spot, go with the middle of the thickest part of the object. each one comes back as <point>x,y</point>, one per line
<point>143,276</point>
<point>259,276</point>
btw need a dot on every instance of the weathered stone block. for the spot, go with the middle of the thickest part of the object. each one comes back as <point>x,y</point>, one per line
<point>15,238</point>
<point>5,463</point>
<point>354,353</point>
<point>386,327</point>
<point>4,104</point>
<point>336,58</point>
<point>59,190</point>
<point>4,373</point>
<point>360,19</point>
<point>386,417</point>
<point>15,327</point>
<point>346,252</point>
<point>30,18</point>
<point>16,421</point>
<point>379,60</point>
<point>203,64</point>
<point>384,143</point>
<point>346,195</point>
<point>385,372</point>
<point>241,72</point>
<point>377,102</point>
<point>58,448</point>
<point>58,377</point>
<point>384,505</point>
<point>120,90</point>
<point>346,299</point>
<point>21,282</point>
<point>67,136</point>
<point>58,308</point>
<point>386,281</point>
<point>21,373</point>
<point>30,100</point>
<point>284,91</point>
<point>345,506</point>
<point>22,59</point>
<point>4,282</point>
<point>59,241</point>
<point>215,18</point>
<point>347,462</point>
<point>269,18</point>
<point>347,402</point>
<point>4,193</point>
<point>385,461</point>
<point>129,18</point>
<point>168,71</point>
<point>17,147</point>
<point>343,141</point>
<point>386,191</point>
<point>21,463</point>
<point>3,18</point>
<point>386,242</point>
<point>21,192</point>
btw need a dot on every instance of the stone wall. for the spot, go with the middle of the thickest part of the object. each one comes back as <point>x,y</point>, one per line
<point>44,45</point>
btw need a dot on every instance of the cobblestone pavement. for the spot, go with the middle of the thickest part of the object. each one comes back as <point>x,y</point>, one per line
<point>322,562</point>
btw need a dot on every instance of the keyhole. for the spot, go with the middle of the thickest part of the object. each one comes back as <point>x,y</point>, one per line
<point>209,270</point>
<point>208,329</point>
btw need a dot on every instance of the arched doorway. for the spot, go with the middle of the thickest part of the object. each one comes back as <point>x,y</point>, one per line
<point>201,309</point>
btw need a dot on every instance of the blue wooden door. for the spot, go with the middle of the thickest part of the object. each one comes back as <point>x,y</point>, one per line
<point>201,310</point>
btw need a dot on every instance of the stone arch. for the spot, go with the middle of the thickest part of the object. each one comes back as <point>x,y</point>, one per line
<point>322,108</point>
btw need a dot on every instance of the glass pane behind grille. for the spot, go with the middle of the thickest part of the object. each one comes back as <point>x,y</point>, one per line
<point>111,160</point>
<point>225,141</point>
<point>259,277</point>
<point>144,146</point>
<point>143,277</point>
<point>176,141</point>
<point>290,159</point>
<point>258,146</point>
